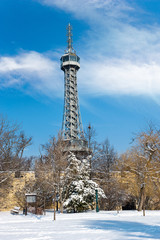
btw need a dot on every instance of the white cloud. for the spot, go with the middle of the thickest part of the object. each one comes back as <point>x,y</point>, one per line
<point>31,70</point>
<point>120,77</point>
<point>93,10</point>
<point>119,55</point>
<point>34,71</point>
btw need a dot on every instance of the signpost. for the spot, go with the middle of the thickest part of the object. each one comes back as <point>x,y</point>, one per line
<point>31,198</point>
<point>97,208</point>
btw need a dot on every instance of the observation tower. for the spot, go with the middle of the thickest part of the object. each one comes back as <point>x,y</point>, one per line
<point>72,129</point>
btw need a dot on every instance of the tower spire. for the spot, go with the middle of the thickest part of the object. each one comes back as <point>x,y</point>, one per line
<point>69,38</point>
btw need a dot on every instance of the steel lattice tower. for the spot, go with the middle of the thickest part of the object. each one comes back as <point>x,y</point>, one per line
<point>72,128</point>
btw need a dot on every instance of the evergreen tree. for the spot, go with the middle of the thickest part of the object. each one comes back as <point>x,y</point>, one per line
<point>79,190</point>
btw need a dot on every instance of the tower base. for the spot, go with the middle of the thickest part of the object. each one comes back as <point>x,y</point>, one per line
<point>77,146</point>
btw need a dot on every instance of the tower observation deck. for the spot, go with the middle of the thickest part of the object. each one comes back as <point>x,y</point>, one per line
<point>72,129</point>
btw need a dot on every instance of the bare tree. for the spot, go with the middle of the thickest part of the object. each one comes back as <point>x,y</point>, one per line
<point>50,169</point>
<point>105,158</point>
<point>13,142</point>
<point>143,162</point>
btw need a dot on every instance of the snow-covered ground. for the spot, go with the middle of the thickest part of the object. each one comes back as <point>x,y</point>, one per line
<point>81,226</point>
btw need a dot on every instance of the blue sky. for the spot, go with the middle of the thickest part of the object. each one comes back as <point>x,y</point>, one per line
<point>118,42</point>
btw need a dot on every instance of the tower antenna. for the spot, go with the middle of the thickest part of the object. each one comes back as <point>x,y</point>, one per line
<point>69,38</point>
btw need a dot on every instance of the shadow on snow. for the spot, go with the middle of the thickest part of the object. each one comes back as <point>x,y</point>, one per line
<point>131,229</point>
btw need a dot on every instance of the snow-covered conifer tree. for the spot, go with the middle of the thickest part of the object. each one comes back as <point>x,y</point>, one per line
<point>79,190</point>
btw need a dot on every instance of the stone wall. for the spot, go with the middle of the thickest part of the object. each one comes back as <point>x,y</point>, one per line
<point>8,198</point>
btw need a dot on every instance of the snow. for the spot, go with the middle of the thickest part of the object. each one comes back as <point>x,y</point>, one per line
<point>81,226</point>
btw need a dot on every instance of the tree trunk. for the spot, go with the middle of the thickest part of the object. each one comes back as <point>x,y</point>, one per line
<point>144,208</point>
<point>142,198</point>
<point>61,202</point>
<point>54,215</point>
<point>144,201</point>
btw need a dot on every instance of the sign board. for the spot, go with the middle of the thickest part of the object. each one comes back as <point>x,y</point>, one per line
<point>31,198</point>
